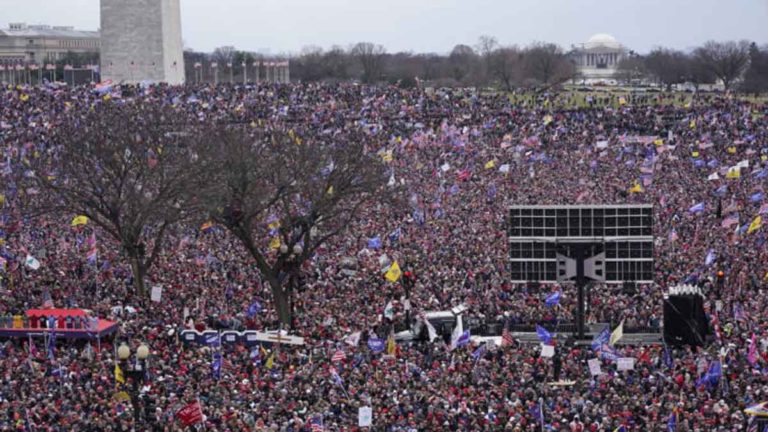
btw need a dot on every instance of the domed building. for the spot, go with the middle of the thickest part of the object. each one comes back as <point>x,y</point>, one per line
<point>598,58</point>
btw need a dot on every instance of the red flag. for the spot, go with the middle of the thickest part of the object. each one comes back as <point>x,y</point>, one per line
<point>338,356</point>
<point>191,414</point>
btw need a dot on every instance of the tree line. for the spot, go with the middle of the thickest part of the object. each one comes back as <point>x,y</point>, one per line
<point>738,65</point>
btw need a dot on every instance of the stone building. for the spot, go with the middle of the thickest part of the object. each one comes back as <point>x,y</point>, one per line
<point>141,41</point>
<point>42,44</point>
<point>598,58</point>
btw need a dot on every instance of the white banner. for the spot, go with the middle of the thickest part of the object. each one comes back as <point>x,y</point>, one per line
<point>547,350</point>
<point>157,293</point>
<point>625,363</point>
<point>594,366</point>
<point>365,416</point>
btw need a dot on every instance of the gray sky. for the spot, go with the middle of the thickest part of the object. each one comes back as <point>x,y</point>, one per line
<point>285,26</point>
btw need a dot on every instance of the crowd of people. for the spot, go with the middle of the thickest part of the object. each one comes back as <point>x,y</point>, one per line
<point>464,158</point>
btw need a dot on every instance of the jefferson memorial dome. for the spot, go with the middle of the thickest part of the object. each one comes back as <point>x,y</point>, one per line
<point>598,58</point>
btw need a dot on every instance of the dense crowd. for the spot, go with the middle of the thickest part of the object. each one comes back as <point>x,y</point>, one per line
<point>463,158</point>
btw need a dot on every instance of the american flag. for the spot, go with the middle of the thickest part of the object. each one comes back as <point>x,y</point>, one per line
<point>19,67</point>
<point>198,65</point>
<point>50,66</point>
<point>214,65</point>
<point>316,424</point>
<point>47,300</point>
<point>506,337</point>
<point>68,67</point>
<point>338,356</point>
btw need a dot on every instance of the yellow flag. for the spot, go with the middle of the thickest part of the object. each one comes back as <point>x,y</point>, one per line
<point>107,97</point>
<point>490,164</point>
<point>391,346</point>
<point>2,199</point>
<point>764,158</point>
<point>755,225</point>
<point>270,361</point>
<point>274,225</point>
<point>622,101</point>
<point>329,192</point>
<point>617,334</point>
<point>387,156</point>
<point>119,377</point>
<point>394,272</point>
<point>79,220</point>
<point>695,154</point>
<point>547,119</point>
<point>731,150</point>
<point>687,105</point>
<point>122,396</point>
<point>636,188</point>
<point>274,243</point>
<point>658,142</point>
<point>734,172</point>
<point>692,124</point>
<point>24,97</point>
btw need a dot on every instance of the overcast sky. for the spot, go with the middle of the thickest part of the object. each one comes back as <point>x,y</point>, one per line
<point>285,26</point>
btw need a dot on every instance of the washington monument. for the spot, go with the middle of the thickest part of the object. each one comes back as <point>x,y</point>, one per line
<point>141,41</point>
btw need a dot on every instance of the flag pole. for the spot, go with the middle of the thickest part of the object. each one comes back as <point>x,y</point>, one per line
<point>541,411</point>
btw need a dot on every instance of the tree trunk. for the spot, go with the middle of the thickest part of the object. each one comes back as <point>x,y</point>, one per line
<point>139,271</point>
<point>281,294</point>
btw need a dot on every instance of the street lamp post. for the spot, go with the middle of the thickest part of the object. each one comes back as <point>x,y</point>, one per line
<point>136,372</point>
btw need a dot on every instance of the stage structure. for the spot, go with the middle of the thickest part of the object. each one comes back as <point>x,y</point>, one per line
<point>578,244</point>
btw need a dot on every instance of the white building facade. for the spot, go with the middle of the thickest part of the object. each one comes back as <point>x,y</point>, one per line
<point>141,41</point>
<point>597,59</point>
<point>22,44</point>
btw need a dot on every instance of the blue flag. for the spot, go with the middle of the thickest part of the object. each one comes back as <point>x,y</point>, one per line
<point>672,423</point>
<point>374,243</point>
<point>216,365</point>
<point>698,208</point>
<point>462,340</point>
<point>394,235</point>
<point>756,197</point>
<point>543,334</point>
<point>722,190</point>
<point>601,339</point>
<point>479,352</point>
<point>668,358</point>
<point>712,377</point>
<point>254,309</point>
<point>710,258</point>
<point>376,345</point>
<point>213,340</point>
<point>553,299</point>
<point>418,216</point>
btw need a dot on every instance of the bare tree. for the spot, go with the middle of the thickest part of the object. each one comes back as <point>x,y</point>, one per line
<point>282,197</point>
<point>668,66</point>
<point>547,65</point>
<point>726,60</point>
<point>462,61</point>
<point>224,55</point>
<point>371,58</point>
<point>506,65</point>
<point>128,168</point>
<point>756,77</point>
<point>630,68</point>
